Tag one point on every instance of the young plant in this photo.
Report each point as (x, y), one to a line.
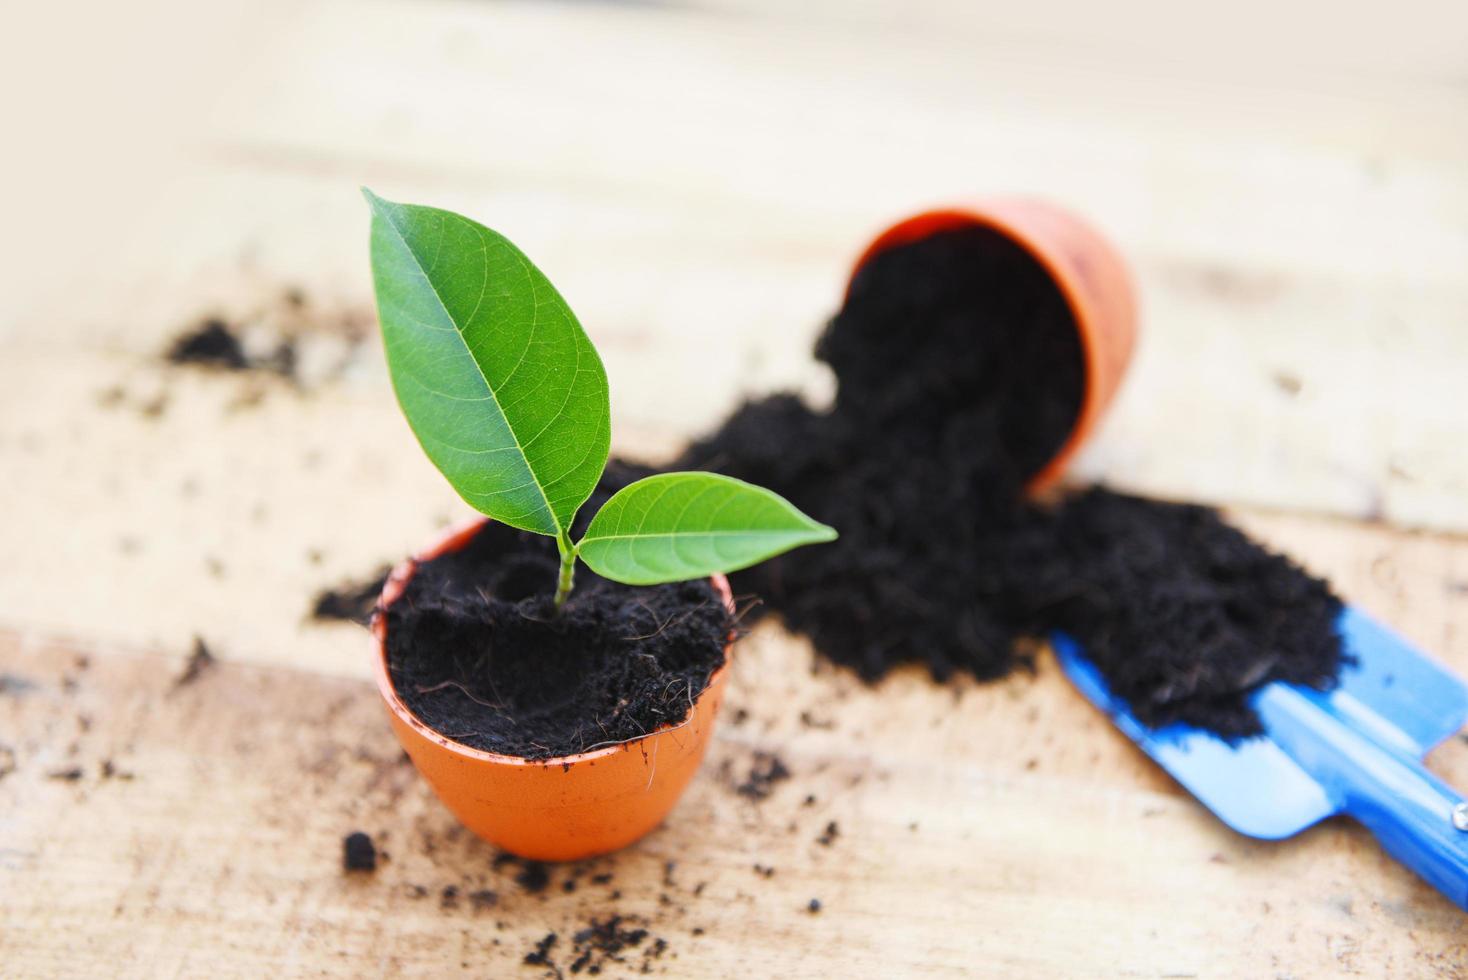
(509, 400)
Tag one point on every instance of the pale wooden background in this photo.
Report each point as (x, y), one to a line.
(1291, 184)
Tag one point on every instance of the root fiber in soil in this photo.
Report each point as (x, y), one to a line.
(959, 373)
(476, 650)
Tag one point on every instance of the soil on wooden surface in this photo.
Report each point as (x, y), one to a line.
(350, 602)
(211, 343)
(959, 374)
(358, 852)
(200, 661)
(765, 772)
(477, 651)
(287, 337)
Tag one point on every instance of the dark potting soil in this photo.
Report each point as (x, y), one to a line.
(350, 602)
(212, 343)
(949, 336)
(292, 339)
(476, 650)
(200, 661)
(540, 955)
(1183, 613)
(621, 942)
(959, 374)
(358, 852)
(533, 876)
(764, 773)
(216, 345)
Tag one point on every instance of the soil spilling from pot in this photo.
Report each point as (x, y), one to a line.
(476, 650)
(959, 374)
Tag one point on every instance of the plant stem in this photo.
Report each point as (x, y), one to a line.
(568, 570)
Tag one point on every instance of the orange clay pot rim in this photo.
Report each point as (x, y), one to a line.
(932, 221)
(397, 582)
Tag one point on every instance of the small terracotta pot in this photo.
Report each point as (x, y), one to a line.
(1086, 268)
(560, 809)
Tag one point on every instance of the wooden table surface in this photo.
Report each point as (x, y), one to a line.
(697, 179)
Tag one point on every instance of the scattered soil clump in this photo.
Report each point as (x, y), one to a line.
(351, 602)
(210, 343)
(16, 685)
(200, 662)
(603, 943)
(358, 852)
(286, 338)
(476, 650)
(108, 769)
(213, 343)
(765, 772)
(959, 374)
(540, 955)
(533, 876)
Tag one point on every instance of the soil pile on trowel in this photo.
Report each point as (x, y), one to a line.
(959, 375)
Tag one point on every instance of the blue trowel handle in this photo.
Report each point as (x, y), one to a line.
(1417, 817)
(1411, 812)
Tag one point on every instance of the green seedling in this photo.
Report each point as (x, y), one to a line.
(509, 399)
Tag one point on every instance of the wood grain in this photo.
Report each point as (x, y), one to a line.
(1002, 828)
(696, 179)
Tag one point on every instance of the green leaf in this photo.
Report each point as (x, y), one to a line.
(499, 382)
(679, 526)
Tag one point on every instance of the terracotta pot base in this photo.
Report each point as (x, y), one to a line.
(558, 809)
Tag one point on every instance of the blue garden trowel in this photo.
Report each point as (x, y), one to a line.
(1354, 750)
